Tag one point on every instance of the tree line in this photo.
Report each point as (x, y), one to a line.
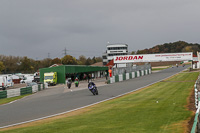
(179, 46)
(13, 64)
(16, 64)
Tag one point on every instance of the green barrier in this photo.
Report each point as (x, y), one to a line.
(124, 76)
(39, 87)
(136, 74)
(140, 72)
(3, 94)
(130, 75)
(117, 78)
(27, 90)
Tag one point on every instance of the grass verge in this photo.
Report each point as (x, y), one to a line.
(7, 100)
(161, 107)
(160, 68)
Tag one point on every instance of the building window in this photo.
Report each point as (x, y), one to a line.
(104, 57)
(117, 48)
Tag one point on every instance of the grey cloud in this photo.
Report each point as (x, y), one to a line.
(40, 25)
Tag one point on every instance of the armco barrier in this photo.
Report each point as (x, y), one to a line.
(22, 91)
(126, 76)
(196, 124)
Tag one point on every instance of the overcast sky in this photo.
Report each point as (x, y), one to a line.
(34, 28)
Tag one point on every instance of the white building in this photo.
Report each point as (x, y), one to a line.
(114, 50)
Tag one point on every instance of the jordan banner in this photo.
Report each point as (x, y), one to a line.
(154, 57)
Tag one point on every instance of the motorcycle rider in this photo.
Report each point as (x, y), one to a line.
(92, 87)
(76, 79)
(76, 82)
(91, 83)
(69, 82)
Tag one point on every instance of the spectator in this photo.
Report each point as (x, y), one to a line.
(110, 72)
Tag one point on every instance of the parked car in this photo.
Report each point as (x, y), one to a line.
(36, 79)
(26, 79)
(31, 84)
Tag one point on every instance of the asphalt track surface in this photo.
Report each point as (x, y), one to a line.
(56, 100)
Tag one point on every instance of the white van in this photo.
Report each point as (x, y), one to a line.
(10, 83)
(3, 82)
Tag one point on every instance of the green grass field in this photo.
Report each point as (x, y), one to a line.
(158, 69)
(160, 108)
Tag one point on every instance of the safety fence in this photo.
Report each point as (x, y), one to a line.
(130, 69)
(126, 76)
(196, 124)
(22, 91)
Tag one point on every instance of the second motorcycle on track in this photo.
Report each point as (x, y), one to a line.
(92, 87)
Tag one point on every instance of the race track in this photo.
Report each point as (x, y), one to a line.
(56, 100)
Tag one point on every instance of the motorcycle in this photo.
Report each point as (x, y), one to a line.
(69, 83)
(93, 89)
(76, 83)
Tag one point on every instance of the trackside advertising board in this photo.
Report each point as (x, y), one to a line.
(154, 57)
